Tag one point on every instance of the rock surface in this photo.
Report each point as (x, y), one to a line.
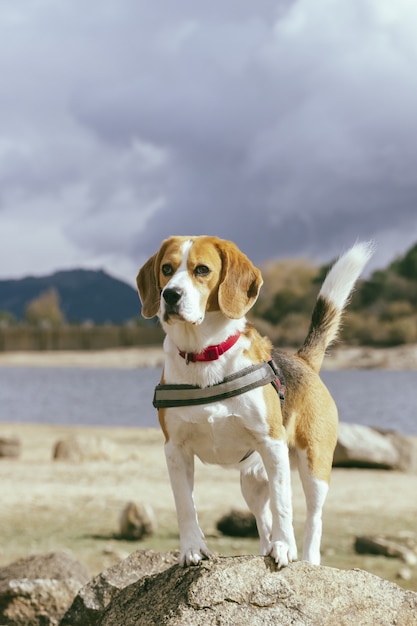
(362, 446)
(37, 590)
(247, 590)
(146, 589)
(91, 601)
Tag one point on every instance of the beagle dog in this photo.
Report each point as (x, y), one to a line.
(201, 289)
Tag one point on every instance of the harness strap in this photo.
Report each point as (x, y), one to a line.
(251, 377)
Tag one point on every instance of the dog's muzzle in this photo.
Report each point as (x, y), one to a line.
(172, 297)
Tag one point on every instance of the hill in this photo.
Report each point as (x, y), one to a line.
(83, 295)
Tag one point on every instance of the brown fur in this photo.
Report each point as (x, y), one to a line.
(234, 282)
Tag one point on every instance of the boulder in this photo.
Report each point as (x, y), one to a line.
(136, 521)
(77, 449)
(37, 590)
(10, 446)
(248, 590)
(362, 446)
(91, 601)
(238, 523)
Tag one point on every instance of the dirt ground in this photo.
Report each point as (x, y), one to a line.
(54, 505)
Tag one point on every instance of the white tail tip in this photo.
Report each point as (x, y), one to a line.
(341, 279)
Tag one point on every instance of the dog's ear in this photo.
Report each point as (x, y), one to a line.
(148, 287)
(240, 282)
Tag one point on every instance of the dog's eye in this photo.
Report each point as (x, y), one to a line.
(167, 269)
(201, 270)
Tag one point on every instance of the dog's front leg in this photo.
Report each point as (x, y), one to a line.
(282, 548)
(180, 462)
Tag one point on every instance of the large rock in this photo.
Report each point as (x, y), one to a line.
(37, 590)
(88, 607)
(247, 590)
(362, 446)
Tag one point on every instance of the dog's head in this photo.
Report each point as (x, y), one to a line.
(190, 276)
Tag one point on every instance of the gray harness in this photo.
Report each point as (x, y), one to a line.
(251, 377)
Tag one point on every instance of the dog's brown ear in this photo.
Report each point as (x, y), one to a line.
(148, 287)
(240, 282)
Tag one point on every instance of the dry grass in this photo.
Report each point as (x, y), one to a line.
(54, 505)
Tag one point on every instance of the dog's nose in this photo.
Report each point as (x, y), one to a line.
(172, 296)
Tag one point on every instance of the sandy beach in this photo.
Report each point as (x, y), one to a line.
(59, 505)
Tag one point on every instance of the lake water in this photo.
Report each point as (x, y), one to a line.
(120, 397)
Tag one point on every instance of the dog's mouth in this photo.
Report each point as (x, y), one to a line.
(173, 315)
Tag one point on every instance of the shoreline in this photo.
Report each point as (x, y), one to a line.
(340, 357)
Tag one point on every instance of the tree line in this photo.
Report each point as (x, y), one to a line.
(382, 311)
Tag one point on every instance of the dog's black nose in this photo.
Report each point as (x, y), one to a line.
(172, 296)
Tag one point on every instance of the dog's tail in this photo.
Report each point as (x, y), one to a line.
(332, 299)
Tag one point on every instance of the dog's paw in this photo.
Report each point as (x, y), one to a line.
(193, 555)
(282, 553)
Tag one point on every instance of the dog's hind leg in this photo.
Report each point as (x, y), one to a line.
(255, 490)
(315, 491)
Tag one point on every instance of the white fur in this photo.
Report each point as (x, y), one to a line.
(315, 491)
(266, 487)
(340, 280)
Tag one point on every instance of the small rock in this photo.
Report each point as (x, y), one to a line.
(404, 573)
(77, 449)
(386, 546)
(410, 558)
(238, 524)
(10, 446)
(136, 521)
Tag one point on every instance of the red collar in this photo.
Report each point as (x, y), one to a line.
(211, 353)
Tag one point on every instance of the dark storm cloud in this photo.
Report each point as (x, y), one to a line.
(287, 127)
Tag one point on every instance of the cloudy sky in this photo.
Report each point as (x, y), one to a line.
(289, 126)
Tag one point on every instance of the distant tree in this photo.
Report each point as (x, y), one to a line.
(7, 319)
(45, 309)
(407, 266)
(383, 310)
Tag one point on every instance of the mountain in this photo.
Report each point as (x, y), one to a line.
(83, 295)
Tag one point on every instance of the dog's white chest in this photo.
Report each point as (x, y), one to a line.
(218, 437)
